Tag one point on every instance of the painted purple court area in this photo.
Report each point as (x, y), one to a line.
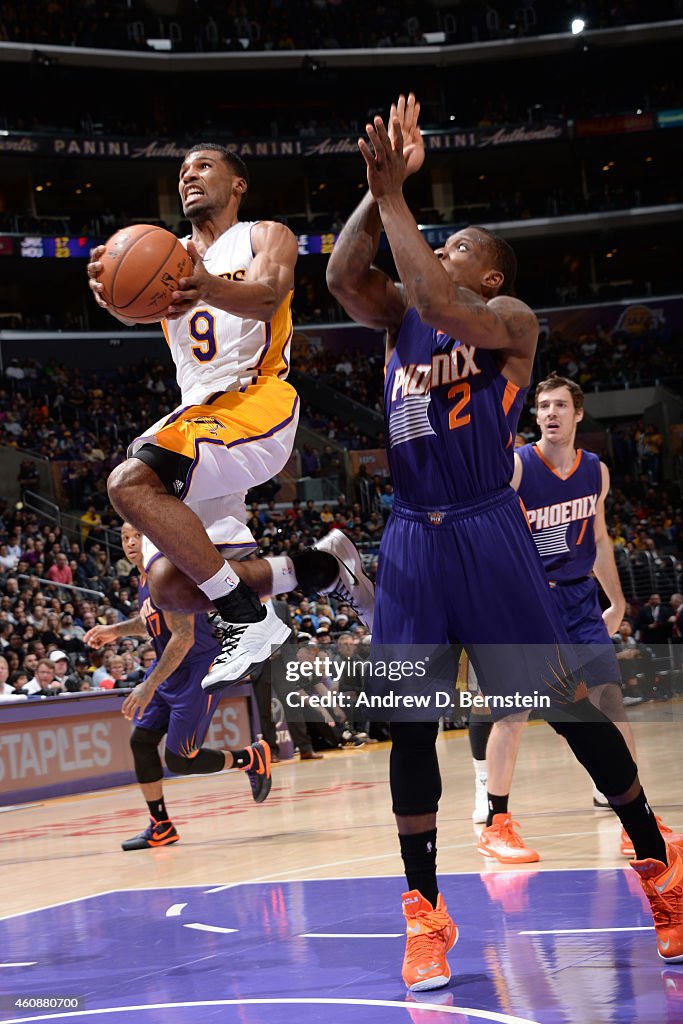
(551, 947)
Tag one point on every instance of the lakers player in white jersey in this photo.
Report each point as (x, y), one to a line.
(229, 329)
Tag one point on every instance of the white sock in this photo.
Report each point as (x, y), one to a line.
(220, 584)
(284, 576)
(480, 770)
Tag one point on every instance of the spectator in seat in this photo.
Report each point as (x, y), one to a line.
(80, 675)
(652, 623)
(60, 664)
(41, 682)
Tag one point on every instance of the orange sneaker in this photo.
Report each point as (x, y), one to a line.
(501, 842)
(668, 835)
(430, 934)
(663, 886)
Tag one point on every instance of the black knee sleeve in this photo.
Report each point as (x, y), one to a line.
(171, 468)
(414, 768)
(144, 744)
(205, 762)
(598, 745)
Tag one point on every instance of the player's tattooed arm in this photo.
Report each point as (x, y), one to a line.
(367, 294)
(178, 646)
(98, 636)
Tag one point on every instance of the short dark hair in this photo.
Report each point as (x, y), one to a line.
(234, 162)
(503, 258)
(553, 381)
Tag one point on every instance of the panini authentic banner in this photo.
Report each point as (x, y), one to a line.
(111, 148)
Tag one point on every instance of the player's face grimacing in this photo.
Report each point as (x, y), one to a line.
(205, 184)
(556, 415)
(465, 260)
(131, 541)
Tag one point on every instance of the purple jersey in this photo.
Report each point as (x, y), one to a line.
(179, 707)
(205, 644)
(450, 418)
(561, 513)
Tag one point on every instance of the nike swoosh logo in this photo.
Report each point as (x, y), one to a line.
(351, 573)
(413, 929)
(664, 945)
(662, 887)
(426, 970)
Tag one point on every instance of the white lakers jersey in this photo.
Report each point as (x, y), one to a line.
(214, 351)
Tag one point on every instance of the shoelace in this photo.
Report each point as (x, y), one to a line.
(667, 910)
(507, 833)
(228, 634)
(421, 947)
(345, 596)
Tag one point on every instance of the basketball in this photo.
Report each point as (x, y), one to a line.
(141, 267)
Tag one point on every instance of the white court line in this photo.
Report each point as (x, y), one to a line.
(25, 963)
(19, 807)
(484, 870)
(586, 931)
(176, 910)
(476, 1014)
(96, 895)
(210, 928)
(350, 935)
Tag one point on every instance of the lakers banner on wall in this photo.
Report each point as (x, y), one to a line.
(69, 745)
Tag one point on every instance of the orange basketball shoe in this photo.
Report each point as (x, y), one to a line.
(663, 886)
(430, 934)
(668, 835)
(501, 842)
(157, 833)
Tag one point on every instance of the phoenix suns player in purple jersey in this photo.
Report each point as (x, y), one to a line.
(563, 490)
(170, 701)
(457, 562)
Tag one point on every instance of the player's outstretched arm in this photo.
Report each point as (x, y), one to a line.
(367, 294)
(364, 291)
(502, 323)
(178, 647)
(98, 636)
(268, 281)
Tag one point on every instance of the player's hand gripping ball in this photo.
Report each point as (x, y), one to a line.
(141, 268)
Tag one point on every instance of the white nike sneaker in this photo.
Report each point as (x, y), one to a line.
(351, 585)
(243, 647)
(481, 798)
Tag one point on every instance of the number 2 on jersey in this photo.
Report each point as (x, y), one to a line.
(455, 420)
(202, 326)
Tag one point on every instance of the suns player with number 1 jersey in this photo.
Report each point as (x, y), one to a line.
(229, 329)
(457, 562)
(563, 490)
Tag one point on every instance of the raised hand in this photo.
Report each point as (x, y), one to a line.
(407, 112)
(383, 156)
